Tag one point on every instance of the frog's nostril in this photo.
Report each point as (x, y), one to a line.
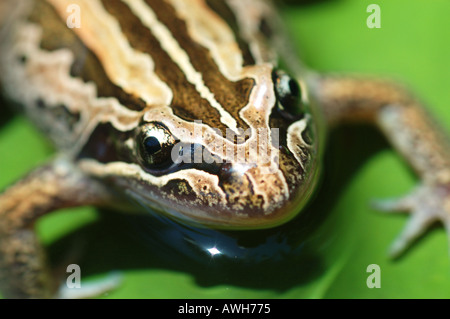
(225, 171)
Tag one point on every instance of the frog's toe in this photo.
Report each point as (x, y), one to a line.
(91, 289)
(394, 205)
(416, 226)
(426, 205)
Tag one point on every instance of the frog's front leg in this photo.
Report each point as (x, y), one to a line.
(411, 131)
(23, 268)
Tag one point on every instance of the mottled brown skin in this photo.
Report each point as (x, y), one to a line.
(61, 183)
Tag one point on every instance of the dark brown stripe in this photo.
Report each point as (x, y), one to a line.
(290, 168)
(221, 8)
(187, 102)
(233, 96)
(56, 35)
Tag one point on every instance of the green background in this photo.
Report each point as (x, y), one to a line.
(412, 46)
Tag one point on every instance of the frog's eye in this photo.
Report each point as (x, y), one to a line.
(288, 92)
(155, 143)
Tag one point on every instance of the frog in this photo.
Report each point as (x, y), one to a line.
(190, 109)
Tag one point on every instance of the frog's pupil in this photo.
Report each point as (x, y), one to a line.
(288, 93)
(152, 145)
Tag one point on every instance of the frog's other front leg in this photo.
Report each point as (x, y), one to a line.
(23, 267)
(411, 131)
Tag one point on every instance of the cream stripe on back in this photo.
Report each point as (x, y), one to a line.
(208, 29)
(126, 67)
(179, 56)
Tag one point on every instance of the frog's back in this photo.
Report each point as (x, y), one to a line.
(73, 69)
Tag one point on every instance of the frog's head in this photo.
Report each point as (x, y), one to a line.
(250, 162)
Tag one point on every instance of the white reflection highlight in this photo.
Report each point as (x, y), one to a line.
(214, 251)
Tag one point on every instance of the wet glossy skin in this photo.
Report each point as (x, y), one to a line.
(145, 83)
